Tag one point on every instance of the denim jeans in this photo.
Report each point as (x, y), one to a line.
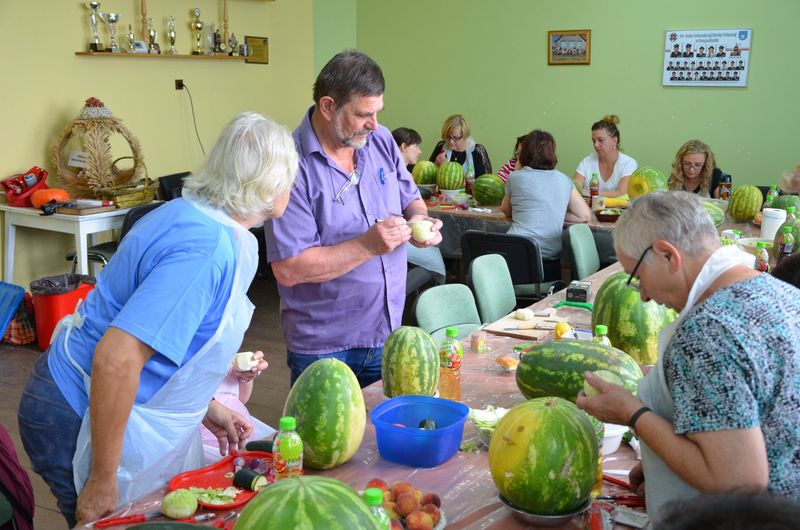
(49, 430)
(365, 363)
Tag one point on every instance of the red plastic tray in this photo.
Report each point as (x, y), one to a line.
(213, 476)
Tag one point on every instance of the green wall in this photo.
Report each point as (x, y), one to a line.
(492, 67)
(334, 29)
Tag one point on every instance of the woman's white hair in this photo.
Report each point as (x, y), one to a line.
(253, 161)
(675, 216)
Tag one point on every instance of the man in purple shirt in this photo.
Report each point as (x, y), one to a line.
(338, 252)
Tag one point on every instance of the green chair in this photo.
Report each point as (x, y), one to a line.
(444, 306)
(585, 259)
(490, 280)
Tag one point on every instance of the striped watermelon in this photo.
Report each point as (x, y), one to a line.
(543, 456)
(633, 325)
(410, 363)
(646, 180)
(424, 172)
(556, 368)
(784, 201)
(715, 212)
(450, 176)
(489, 189)
(795, 232)
(745, 203)
(327, 402)
(307, 503)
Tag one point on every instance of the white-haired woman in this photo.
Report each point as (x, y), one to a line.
(720, 411)
(158, 334)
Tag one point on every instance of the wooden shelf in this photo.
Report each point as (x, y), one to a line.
(163, 56)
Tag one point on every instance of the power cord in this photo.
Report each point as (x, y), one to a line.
(194, 119)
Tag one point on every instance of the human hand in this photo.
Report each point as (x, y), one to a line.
(98, 498)
(386, 235)
(636, 479)
(248, 375)
(441, 158)
(613, 404)
(230, 428)
(435, 229)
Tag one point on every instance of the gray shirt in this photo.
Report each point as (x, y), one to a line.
(539, 200)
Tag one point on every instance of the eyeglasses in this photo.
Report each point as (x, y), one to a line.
(690, 165)
(454, 138)
(633, 280)
(353, 180)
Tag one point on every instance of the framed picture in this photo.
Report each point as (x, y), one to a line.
(257, 50)
(707, 57)
(569, 46)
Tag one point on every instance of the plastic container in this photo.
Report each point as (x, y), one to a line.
(287, 450)
(10, 297)
(55, 297)
(411, 446)
(451, 353)
(612, 438)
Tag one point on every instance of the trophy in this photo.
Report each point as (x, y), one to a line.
(210, 30)
(131, 40)
(197, 26)
(171, 35)
(233, 45)
(111, 19)
(94, 46)
(152, 36)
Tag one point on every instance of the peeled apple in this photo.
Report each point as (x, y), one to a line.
(422, 231)
(179, 504)
(244, 361)
(524, 314)
(605, 375)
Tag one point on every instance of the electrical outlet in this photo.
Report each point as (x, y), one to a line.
(179, 84)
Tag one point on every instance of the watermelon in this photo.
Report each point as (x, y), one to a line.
(489, 189)
(410, 363)
(327, 402)
(646, 180)
(450, 176)
(784, 201)
(424, 172)
(307, 503)
(715, 212)
(795, 232)
(633, 325)
(543, 456)
(745, 203)
(556, 368)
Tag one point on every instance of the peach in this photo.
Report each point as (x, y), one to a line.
(401, 487)
(432, 498)
(418, 495)
(406, 503)
(397, 525)
(387, 496)
(378, 483)
(389, 507)
(419, 520)
(434, 512)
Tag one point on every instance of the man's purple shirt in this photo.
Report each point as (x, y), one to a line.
(360, 308)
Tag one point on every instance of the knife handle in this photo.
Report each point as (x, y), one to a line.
(114, 521)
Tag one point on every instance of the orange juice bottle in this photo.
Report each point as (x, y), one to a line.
(450, 357)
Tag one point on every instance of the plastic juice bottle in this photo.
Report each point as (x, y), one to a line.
(762, 257)
(785, 243)
(287, 450)
(374, 499)
(594, 189)
(601, 335)
(772, 194)
(725, 187)
(450, 356)
(791, 214)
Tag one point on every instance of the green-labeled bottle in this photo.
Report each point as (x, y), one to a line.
(601, 334)
(450, 356)
(762, 257)
(374, 499)
(287, 450)
(791, 214)
(786, 243)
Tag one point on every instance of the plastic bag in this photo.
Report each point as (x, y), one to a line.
(61, 284)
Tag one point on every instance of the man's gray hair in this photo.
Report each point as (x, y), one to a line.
(347, 74)
(675, 216)
(253, 161)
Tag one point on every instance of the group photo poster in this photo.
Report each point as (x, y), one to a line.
(715, 57)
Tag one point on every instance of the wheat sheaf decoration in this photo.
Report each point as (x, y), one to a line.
(99, 177)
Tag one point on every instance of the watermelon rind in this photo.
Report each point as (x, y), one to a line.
(646, 180)
(745, 203)
(450, 176)
(328, 405)
(424, 172)
(784, 201)
(410, 363)
(489, 189)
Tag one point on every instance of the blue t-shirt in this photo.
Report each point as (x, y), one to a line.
(167, 285)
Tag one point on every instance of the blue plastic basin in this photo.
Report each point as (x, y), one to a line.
(410, 445)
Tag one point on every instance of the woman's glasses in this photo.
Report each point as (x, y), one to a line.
(695, 165)
(633, 280)
(454, 138)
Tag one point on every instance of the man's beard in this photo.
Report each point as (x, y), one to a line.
(350, 140)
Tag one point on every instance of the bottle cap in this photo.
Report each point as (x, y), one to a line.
(773, 186)
(791, 209)
(287, 423)
(761, 244)
(601, 329)
(787, 229)
(451, 332)
(373, 497)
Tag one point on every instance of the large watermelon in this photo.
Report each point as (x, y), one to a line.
(543, 456)
(646, 180)
(410, 363)
(424, 172)
(489, 189)
(745, 203)
(715, 212)
(633, 325)
(450, 176)
(784, 201)
(307, 503)
(795, 232)
(556, 368)
(327, 402)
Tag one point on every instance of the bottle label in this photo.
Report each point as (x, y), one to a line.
(450, 356)
(786, 248)
(288, 455)
(762, 262)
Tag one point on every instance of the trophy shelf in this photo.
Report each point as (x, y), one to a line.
(164, 56)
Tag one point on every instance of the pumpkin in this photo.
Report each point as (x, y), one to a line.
(41, 197)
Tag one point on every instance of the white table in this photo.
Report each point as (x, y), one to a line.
(79, 226)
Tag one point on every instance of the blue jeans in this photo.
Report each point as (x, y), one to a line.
(365, 363)
(49, 430)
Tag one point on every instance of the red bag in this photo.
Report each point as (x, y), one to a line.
(22, 328)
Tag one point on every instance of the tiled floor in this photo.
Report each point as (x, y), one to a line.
(266, 402)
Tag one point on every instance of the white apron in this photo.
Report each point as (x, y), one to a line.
(469, 163)
(661, 483)
(162, 437)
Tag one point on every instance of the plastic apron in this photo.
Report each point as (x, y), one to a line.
(469, 164)
(662, 485)
(162, 437)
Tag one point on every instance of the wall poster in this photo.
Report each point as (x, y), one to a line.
(714, 57)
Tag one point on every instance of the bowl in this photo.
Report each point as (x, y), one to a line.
(454, 197)
(607, 217)
(427, 190)
(748, 244)
(545, 520)
(612, 438)
(411, 446)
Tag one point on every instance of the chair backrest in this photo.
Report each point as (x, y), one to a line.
(170, 186)
(491, 282)
(449, 305)
(585, 259)
(522, 254)
(136, 213)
